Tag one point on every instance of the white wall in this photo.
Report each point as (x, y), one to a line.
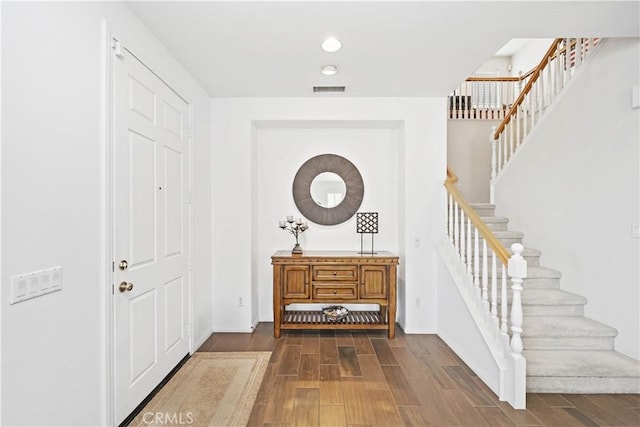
(469, 156)
(495, 64)
(529, 56)
(54, 201)
(576, 190)
(407, 134)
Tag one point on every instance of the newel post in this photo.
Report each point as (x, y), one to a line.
(517, 271)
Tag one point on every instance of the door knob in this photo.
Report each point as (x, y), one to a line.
(123, 265)
(125, 287)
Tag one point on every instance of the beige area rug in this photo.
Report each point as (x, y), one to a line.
(211, 389)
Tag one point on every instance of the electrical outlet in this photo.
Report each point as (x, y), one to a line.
(240, 302)
(418, 303)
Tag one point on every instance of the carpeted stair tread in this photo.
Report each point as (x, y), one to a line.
(547, 297)
(565, 351)
(566, 326)
(551, 297)
(484, 209)
(496, 223)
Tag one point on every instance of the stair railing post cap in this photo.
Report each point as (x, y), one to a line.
(517, 266)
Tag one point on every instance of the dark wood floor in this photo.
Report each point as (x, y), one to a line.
(361, 378)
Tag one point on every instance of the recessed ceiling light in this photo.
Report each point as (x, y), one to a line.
(329, 70)
(331, 45)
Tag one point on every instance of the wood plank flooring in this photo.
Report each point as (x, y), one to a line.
(362, 378)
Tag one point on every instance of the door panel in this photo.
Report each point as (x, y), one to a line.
(150, 181)
(142, 200)
(296, 281)
(374, 280)
(142, 344)
(173, 202)
(175, 328)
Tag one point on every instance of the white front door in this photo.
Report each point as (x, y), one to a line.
(151, 235)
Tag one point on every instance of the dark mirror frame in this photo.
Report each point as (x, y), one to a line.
(302, 189)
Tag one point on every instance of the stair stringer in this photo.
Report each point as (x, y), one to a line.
(505, 373)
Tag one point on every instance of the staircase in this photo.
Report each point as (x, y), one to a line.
(566, 352)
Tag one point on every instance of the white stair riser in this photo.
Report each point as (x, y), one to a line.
(484, 211)
(582, 385)
(497, 226)
(493, 225)
(567, 343)
(552, 310)
(533, 310)
(541, 283)
(532, 261)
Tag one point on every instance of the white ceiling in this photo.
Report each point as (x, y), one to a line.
(390, 48)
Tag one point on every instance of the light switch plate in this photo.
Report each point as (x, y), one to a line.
(30, 285)
(635, 231)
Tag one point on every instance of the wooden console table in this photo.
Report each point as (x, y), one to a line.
(330, 278)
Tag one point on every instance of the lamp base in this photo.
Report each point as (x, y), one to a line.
(297, 249)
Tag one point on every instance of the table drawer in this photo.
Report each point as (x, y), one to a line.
(335, 292)
(335, 273)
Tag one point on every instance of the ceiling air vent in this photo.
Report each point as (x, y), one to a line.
(329, 89)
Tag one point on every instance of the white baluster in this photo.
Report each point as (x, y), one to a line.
(541, 95)
(517, 119)
(504, 306)
(463, 243)
(494, 288)
(476, 263)
(450, 213)
(567, 60)
(469, 253)
(500, 161)
(525, 119)
(505, 145)
(512, 132)
(485, 276)
(541, 84)
(494, 153)
(534, 104)
(511, 147)
(557, 76)
(517, 272)
(579, 52)
(456, 227)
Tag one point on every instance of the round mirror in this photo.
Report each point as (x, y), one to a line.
(328, 189)
(316, 207)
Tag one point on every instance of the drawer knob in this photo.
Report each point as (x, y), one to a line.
(335, 292)
(335, 273)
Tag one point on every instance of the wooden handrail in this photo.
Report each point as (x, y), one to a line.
(534, 77)
(483, 229)
(493, 79)
(451, 176)
(503, 78)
